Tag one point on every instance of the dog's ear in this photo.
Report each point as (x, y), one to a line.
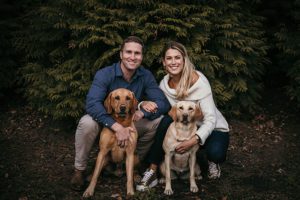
(173, 113)
(134, 103)
(107, 104)
(198, 113)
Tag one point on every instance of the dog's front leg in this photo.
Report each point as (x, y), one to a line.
(168, 189)
(192, 163)
(129, 173)
(99, 165)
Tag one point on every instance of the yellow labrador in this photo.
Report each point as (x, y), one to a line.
(185, 114)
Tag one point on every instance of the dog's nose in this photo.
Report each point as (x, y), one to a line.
(185, 116)
(122, 108)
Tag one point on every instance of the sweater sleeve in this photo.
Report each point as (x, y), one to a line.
(207, 106)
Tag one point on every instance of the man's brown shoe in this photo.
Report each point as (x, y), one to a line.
(77, 181)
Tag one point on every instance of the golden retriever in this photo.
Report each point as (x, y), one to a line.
(121, 104)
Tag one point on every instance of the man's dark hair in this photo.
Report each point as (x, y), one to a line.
(132, 39)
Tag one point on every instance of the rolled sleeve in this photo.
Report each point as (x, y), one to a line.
(209, 122)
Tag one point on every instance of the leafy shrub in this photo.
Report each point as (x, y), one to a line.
(66, 42)
(8, 56)
(288, 42)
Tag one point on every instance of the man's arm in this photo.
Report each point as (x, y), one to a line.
(155, 94)
(96, 96)
(95, 106)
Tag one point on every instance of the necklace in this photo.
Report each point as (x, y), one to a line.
(172, 83)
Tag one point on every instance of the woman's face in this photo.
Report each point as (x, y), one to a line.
(173, 62)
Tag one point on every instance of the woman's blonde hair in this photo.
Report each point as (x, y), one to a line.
(187, 72)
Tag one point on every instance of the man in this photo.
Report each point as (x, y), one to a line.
(128, 73)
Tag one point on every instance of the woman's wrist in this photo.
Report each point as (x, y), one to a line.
(198, 139)
(193, 141)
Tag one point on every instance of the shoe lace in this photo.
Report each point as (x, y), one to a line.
(213, 169)
(147, 175)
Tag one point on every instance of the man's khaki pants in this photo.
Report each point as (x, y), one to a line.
(88, 130)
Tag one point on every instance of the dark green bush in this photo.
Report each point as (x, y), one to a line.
(288, 43)
(66, 42)
(8, 56)
(11, 13)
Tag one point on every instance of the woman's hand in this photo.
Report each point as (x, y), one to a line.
(149, 106)
(186, 145)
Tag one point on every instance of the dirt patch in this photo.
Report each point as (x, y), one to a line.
(263, 160)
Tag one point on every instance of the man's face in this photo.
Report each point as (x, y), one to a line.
(131, 56)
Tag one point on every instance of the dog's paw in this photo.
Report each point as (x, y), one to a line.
(194, 188)
(88, 193)
(168, 191)
(130, 193)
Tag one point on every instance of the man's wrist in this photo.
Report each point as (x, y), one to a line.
(116, 126)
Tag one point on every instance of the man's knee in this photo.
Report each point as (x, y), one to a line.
(86, 133)
(152, 125)
(146, 131)
(87, 126)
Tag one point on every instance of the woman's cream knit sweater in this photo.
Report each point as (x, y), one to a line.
(201, 94)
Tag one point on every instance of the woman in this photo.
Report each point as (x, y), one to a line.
(183, 82)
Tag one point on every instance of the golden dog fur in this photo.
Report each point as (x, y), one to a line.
(121, 104)
(185, 114)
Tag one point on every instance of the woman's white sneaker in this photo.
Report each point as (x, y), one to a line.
(214, 170)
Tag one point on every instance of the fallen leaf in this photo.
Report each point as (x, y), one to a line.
(115, 195)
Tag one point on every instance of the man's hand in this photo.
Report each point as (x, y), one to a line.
(137, 115)
(149, 106)
(186, 145)
(122, 134)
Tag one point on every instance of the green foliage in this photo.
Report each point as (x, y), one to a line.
(8, 64)
(67, 41)
(288, 42)
(10, 58)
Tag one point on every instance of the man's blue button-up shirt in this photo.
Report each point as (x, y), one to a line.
(142, 84)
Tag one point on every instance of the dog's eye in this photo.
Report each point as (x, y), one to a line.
(181, 107)
(127, 98)
(117, 98)
(190, 109)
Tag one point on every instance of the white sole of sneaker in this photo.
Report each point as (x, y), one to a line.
(216, 176)
(142, 188)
